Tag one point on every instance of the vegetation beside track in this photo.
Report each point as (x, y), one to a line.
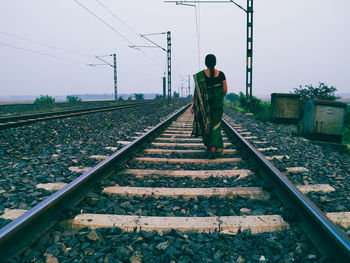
(261, 109)
(71, 103)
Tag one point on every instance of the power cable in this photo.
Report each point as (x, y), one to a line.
(125, 24)
(117, 17)
(43, 54)
(43, 44)
(115, 31)
(198, 35)
(105, 23)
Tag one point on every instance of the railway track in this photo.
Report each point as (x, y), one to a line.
(174, 177)
(20, 120)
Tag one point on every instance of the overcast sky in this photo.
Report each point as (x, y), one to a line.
(296, 42)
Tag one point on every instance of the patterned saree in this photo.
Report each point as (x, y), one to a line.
(208, 111)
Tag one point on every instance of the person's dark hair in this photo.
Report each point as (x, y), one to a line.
(210, 62)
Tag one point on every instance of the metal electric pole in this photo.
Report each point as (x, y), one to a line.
(106, 63)
(169, 65)
(249, 62)
(189, 85)
(115, 77)
(168, 51)
(249, 69)
(164, 90)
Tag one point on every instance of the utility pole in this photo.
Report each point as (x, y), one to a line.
(169, 65)
(249, 62)
(189, 85)
(168, 51)
(249, 69)
(114, 66)
(164, 90)
(115, 77)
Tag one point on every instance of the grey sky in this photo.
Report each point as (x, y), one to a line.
(295, 42)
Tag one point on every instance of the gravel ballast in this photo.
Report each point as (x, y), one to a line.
(115, 245)
(326, 164)
(42, 152)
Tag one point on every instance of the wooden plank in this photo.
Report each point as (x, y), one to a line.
(296, 170)
(197, 161)
(181, 135)
(79, 169)
(267, 149)
(12, 214)
(51, 186)
(250, 137)
(187, 193)
(203, 174)
(277, 157)
(315, 188)
(170, 151)
(340, 218)
(169, 139)
(99, 157)
(187, 145)
(223, 224)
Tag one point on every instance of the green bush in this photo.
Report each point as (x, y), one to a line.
(73, 99)
(259, 108)
(139, 96)
(232, 97)
(346, 131)
(322, 92)
(176, 95)
(158, 97)
(45, 101)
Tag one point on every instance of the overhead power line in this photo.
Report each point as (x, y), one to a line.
(43, 54)
(125, 24)
(117, 17)
(105, 23)
(43, 44)
(115, 31)
(197, 13)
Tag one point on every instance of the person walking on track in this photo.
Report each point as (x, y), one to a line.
(207, 106)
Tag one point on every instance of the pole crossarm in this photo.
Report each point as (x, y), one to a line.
(233, 2)
(153, 34)
(154, 43)
(189, 3)
(98, 57)
(142, 46)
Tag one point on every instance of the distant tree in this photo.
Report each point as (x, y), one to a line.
(322, 92)
(158, 97)
(130, 98)
(176, 95)
(73, 99)
(190, 96)
(139, 96)
(46, 101)
(120, 98)
(232, 97)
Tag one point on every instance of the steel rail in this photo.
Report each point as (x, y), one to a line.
(15, 121)
(26, 229)
(330, 240)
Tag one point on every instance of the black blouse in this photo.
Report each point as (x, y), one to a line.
(214, 81)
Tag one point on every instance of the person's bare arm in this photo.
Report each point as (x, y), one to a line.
(224, 90)
(192, 105)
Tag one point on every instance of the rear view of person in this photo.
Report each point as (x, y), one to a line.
(207, 106)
